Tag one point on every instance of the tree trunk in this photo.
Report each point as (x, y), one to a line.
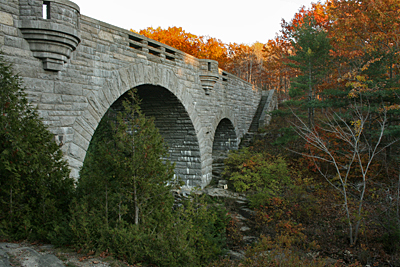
(136, 203)
(107, 206)
(310, 98)
(11, 204)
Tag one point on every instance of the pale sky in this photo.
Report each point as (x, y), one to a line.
(244, 21)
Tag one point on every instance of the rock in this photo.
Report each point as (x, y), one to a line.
(27, 256)
(8, 246)
(247, 213)
(49, 260)
(240, 202)
(219, 192)
(249, 239)
(239, 217)
(235, 255)
(4, 258)
(223, 184)
(244, 228)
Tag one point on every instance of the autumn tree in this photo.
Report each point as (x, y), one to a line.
(366, 40)
(278, 74)
(247, 63)
(364, 70)
(344, 151)
(203, 47)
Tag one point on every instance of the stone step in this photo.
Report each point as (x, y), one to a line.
(254, 124)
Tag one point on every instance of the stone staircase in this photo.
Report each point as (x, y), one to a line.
(267, 103)
(255, 124)
(240, 213)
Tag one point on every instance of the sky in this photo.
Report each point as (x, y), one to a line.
(231, 21)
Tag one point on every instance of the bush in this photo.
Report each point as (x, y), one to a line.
(256, 172)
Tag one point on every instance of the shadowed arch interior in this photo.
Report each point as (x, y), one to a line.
(225, 139)
(175, 127)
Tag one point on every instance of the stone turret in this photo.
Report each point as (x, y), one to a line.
(209, 74)
(51, 29)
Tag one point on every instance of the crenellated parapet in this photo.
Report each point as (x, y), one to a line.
(51, 29)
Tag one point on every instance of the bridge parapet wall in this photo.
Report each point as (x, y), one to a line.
(73, 91)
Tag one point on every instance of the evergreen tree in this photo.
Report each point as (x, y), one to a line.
(124, 201)
(35, 188)
(310, 57)
(126, 171)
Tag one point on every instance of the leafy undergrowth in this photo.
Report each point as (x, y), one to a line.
(300, 220)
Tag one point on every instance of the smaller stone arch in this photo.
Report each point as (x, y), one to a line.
(225, 140)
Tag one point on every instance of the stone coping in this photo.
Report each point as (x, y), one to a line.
(184, 55)
(66, 3)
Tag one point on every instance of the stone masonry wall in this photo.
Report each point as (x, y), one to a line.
(101, 62)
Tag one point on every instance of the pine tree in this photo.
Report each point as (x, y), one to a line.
(35, 187)
(311, 57)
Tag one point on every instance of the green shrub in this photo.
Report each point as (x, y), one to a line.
(256, 172)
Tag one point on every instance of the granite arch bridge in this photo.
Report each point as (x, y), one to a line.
(75, 68)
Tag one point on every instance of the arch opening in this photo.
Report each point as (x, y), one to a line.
(174, 125)
(225, 139)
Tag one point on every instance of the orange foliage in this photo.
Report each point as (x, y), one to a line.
(317, 11)
(202, 47)
(240, 59)
(364, 27)
(364, 33)
(355, 28)
(278, 74)
(247, 63)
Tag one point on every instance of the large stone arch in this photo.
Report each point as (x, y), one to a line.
(121, 81)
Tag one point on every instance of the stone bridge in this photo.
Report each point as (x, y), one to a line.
(75, 68)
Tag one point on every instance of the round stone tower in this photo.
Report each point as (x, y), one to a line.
(51, 29)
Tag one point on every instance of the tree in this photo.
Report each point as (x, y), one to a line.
(203, 47)
(365, 35)
(127, 164)
(125, 204)
(343, 151)
(278, 73)
(310, 56)
(143, 169)
(35, 188)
